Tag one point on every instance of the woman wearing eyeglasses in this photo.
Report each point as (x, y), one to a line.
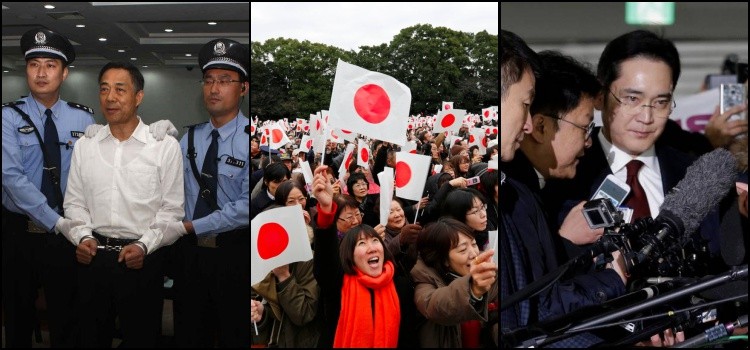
(467, 205)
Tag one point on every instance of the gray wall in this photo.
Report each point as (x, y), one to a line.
(170, 93)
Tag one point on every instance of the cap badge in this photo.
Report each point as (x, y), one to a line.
(220, 49)
(40, 38)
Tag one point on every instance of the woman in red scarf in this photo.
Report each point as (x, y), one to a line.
(356, 279)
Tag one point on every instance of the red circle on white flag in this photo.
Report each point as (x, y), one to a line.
(268, 132)
(277, 136)
(263, 140)
(486, 113)
(372, 103)
(471, 138)
(448, 120)
(447, 106)
(364, 155)
(309, 144)
(484, 141)
(272, 240)
(403, 174)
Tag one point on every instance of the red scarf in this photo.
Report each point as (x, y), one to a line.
(356, 328)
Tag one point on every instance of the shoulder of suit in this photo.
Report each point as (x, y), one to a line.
(13, 103)
(81, 107)
(192, 126)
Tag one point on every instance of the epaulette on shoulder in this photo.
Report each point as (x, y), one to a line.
(13, 103)
(247, 129)
(81, 107)
(193, 125)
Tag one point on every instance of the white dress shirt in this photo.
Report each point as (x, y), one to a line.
(122, 189)
(649, 176)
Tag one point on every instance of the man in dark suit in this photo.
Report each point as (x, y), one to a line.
(639, 72)
(527, 250)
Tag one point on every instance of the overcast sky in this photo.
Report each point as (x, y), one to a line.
(351, 25)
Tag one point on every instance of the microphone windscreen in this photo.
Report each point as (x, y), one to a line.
(706, 182)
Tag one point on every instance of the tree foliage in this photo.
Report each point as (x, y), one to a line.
(292, 79)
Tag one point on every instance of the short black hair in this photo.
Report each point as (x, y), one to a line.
(639, 43)
(515, 58)
(459, 202)
(349, 242)
(437, 239)
(564, 82)
(135, 74)
(276, 172)
(286, 187)
(353, 178)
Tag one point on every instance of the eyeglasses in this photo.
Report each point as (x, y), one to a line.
(586, 129)
(477, 210)
(353, 219)
(631, 103)
(222, 83)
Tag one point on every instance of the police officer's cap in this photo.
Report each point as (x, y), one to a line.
(225, 54)
(48, 44)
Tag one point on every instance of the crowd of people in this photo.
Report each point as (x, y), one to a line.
(426, 278)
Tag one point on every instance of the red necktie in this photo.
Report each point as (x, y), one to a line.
(637, 199)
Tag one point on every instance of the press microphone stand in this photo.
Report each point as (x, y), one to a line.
(736, 273)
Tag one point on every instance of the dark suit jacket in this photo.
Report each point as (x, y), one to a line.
(593, 168)
(522, 217)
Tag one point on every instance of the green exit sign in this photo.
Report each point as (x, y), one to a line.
(649, 13)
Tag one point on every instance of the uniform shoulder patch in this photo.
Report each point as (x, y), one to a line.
(81, 107)
(13, 103)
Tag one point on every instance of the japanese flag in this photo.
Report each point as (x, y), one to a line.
(276, 136)
(385, 178)
(447, 105)
(363, 154)
(278, 237)
(348, 156)
(369, 103)
(478, 137)
(306, 143)
(492, 244)
(253, 127)
(492, 163)
(347, 135)
(449, 120)
(410, 147)
(411, 175)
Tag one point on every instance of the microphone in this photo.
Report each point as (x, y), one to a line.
(706, 182)
(714, 333)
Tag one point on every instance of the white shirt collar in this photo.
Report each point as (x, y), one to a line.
(618, 159)
(140, 133)
(540, 177)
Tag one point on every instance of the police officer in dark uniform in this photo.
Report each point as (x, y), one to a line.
(39, 133)
(213, 288)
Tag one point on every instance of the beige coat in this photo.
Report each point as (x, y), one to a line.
(444, 306)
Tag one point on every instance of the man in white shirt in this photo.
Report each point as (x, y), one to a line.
(128, 189)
